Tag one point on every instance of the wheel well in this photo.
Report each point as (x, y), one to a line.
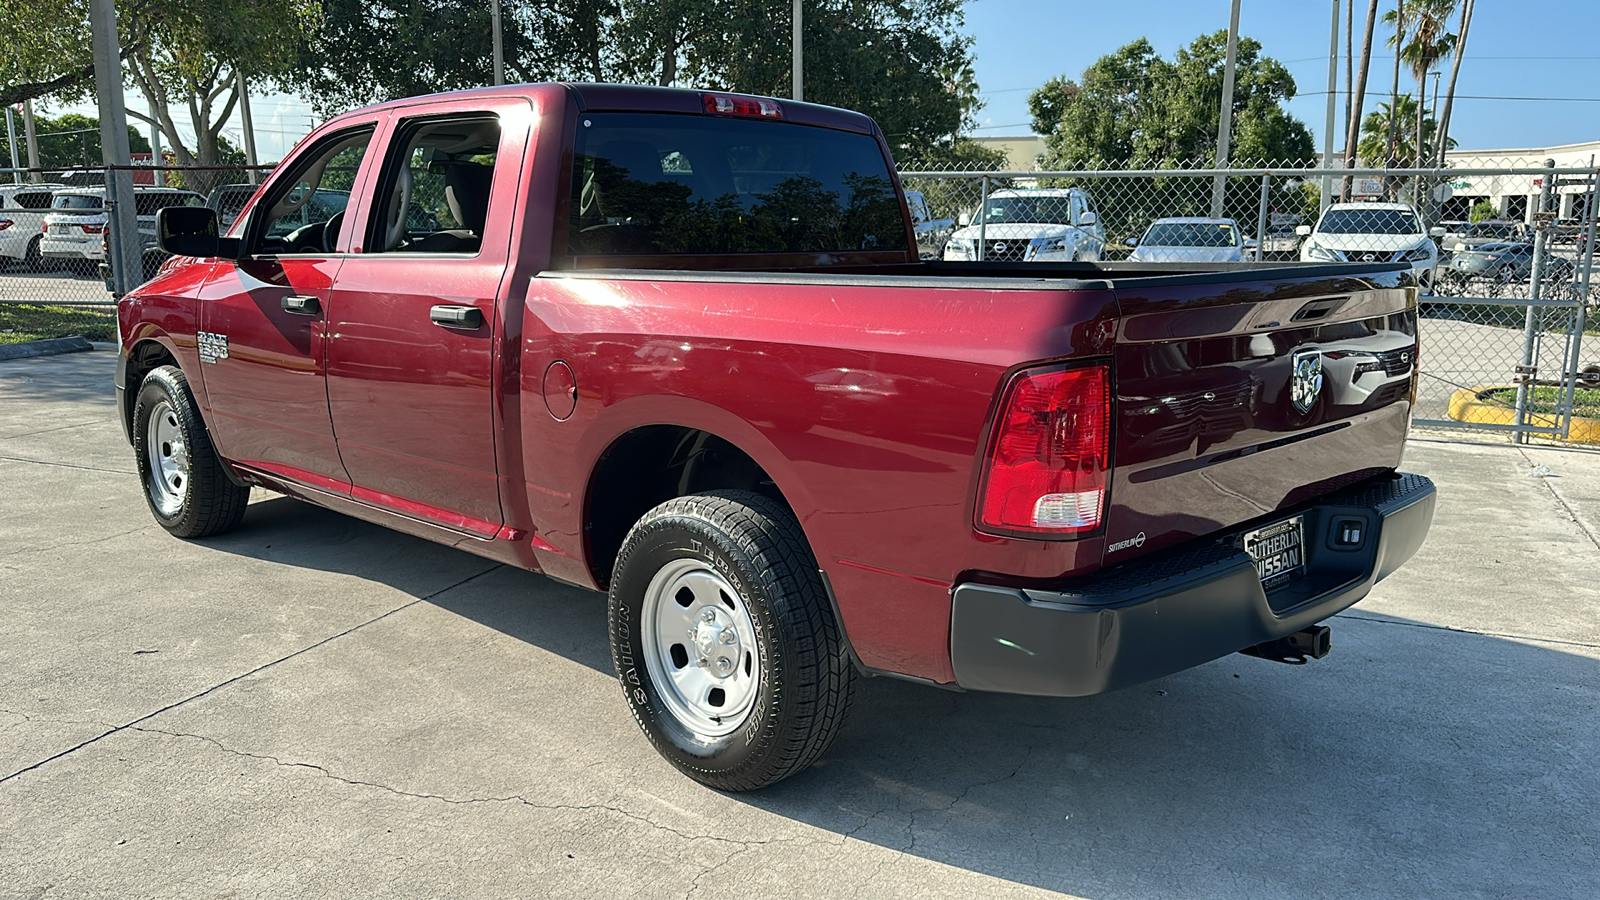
(145, 356)
(651, 465)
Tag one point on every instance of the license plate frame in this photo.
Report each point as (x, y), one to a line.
(1278, 551)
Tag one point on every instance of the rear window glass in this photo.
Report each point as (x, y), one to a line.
(32, 200)
(147, 202)
(652, 183)
(76, 201)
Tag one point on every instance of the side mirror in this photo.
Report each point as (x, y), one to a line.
(1131, 242)
(1303, 230)
(963, 219)
(1436, 231)
(1086, 220)
(1251, 243)
(192, 231)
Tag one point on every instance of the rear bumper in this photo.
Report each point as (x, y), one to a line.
(1171, 611)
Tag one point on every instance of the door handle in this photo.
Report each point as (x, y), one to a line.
(466, 318)
(301, 306)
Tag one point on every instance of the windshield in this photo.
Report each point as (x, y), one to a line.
(1039, 210)
(76, 201)
(1370, 221)
(1191, 234)
(653, 183)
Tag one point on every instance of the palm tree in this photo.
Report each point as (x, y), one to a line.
(1358, 96)
(1455, 70)
(1400, 22)
(1430, 42)
(1377, 126)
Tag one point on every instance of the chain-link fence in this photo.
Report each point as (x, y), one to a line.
(1502, 249)
(56, 227)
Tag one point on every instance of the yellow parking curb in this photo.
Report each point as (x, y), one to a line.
(1468, 405)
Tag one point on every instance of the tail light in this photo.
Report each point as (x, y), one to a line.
(1045, 471)
(93, 229)
(733, 105)
(4, 224)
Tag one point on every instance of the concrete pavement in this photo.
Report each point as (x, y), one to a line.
(316, 707)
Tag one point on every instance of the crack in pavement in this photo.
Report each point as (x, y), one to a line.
(263, 667)
(1454, 630)
(740, 846)
(59, 544)
(1571, 514)
(62, 465)
(55, 429)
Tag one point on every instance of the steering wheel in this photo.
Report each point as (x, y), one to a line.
(306, 238)
(330, 232)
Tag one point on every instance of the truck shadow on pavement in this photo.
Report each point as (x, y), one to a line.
(1414, 760)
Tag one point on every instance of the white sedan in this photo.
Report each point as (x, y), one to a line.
(1191, 240)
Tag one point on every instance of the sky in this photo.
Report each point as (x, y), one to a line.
(1516, 48)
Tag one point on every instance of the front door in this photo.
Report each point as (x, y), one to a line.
(263, 340)
(414, 320)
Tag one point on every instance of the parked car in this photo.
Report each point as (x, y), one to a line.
(1477, 234)
(932, 234)
(1032, 226)
(25, 207)
(1506, 262)
(1190, 240)
(1370, 232)
(77, 224)
(789, 450)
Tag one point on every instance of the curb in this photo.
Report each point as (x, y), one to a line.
(50, 347)
(1467, 405)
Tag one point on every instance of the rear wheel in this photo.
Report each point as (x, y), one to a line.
(725, 642)
(185, 484)
(32, 258)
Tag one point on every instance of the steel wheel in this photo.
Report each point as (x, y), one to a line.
(168, 453)
(700, 648)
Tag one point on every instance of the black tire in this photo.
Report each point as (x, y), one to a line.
(802, 682)
(32, 258)
(199, 500)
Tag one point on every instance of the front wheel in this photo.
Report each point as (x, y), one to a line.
(185, 484)
(725, 641)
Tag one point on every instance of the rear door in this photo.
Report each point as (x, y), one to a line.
(263, 338)
(1239, 395)
(414, 316)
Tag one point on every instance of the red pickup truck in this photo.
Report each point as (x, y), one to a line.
(680, 347)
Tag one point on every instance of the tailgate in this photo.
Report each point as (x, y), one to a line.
(1243, 393)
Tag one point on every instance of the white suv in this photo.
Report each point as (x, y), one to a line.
(76, 226)
(1370, 232)
(1032, 226)
(24, 206)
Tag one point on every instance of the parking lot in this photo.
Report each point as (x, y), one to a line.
(316, 707)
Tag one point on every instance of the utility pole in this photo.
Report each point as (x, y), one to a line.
(33, 140)
(799, 92)
(123, 245)
(499, 45)
(1225, 121)
(249, 123)
(1333, 98)
(11, 135)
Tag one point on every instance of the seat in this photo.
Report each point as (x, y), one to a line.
(466, 192)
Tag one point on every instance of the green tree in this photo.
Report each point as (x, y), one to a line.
(1375, 132)
(1482, 211)
(1134, 107)
(903, 62)
(71, 140)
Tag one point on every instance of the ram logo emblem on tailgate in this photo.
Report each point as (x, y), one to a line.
(1305, 383)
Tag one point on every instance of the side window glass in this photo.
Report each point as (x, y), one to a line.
(304, 213)
(435, 187)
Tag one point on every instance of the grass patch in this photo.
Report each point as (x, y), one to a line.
(1545, 399)
(21, 322)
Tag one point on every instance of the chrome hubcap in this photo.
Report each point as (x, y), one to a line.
(168, 455)
(700, 648)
